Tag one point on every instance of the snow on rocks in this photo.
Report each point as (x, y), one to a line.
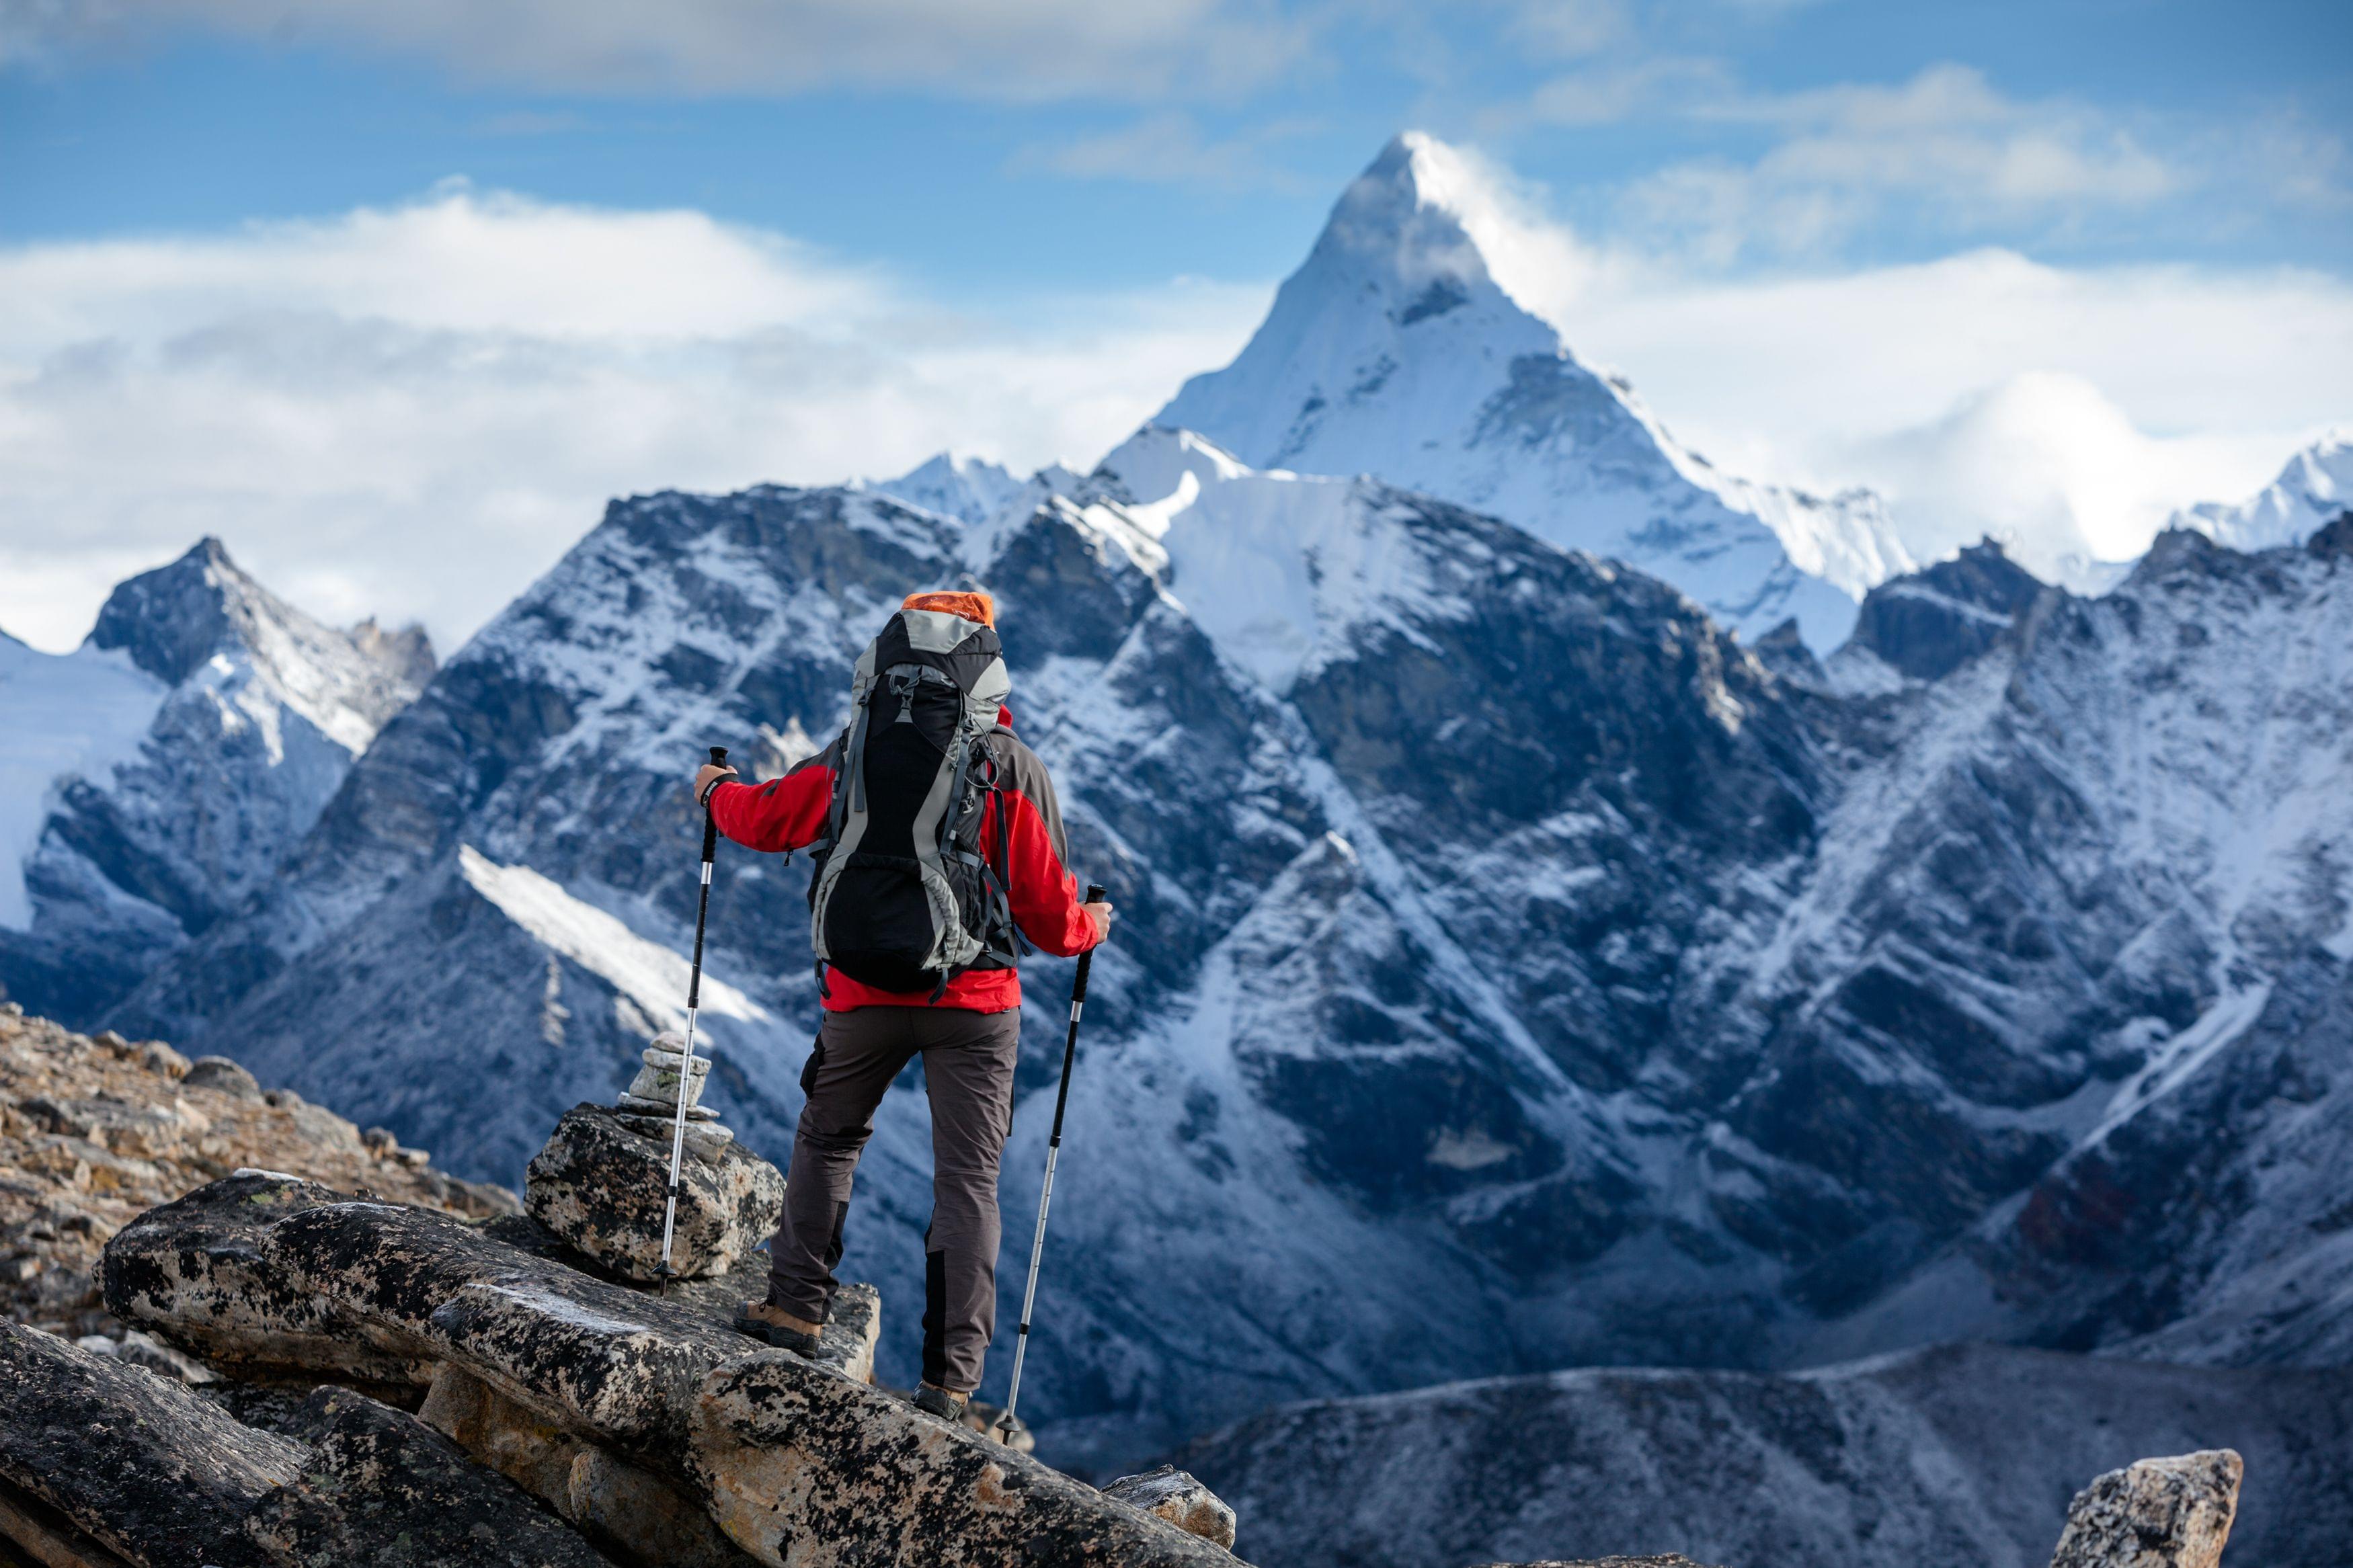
(2313, 490)
(2158, 1513)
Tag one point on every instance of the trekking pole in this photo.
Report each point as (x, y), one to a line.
(1006, 1423)
(693, 1000)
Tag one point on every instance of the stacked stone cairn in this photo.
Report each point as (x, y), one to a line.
(602, 1181)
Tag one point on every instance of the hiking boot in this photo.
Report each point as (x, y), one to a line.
(770, 1324)
(940, 1401)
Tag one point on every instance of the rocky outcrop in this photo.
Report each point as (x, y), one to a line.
(2158, 1513)
(94, 1130)
(1177, 1497)
(1928, 624)
(625, 1410)
(102, 1462)
(601, 1181)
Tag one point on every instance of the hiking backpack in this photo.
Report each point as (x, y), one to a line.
(902, 899)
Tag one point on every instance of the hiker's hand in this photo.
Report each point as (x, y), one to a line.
(1101, 914)
(703, 776)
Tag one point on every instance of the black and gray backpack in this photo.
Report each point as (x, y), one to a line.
(903, 899)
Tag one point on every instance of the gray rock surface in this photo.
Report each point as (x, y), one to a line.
(2158, 1513)
(601, 1185)
(163, 1478)
(379, 1489)
(149, 1469)
(1177, 1497)
(1959, 1454)
(795, 1461)
(220, 1073)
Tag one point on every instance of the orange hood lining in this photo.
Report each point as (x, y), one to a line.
(979, 608)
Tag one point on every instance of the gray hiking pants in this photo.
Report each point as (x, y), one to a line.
(968, 1070)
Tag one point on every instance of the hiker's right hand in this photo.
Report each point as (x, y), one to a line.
(1100, 913)
(705, 774)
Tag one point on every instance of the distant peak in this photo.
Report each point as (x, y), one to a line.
(173, 618)
(1404, 216)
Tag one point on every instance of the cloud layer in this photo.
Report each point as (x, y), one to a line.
(2066, 410)
(412, 411)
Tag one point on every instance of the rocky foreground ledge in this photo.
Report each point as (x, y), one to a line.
(647, 1423)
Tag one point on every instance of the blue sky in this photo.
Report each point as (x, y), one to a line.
(940, 175)
(349, 280)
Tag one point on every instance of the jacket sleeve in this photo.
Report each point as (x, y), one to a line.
(1038, 881)
(785, 813)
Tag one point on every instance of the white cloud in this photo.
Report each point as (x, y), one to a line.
(412, 411)
(2069, 409)
(1946, 148)
(996, 50)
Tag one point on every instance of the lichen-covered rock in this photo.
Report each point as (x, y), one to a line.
(602, 1187)
(191, 1272)
(800, 1466)
(379, 1489)
(1171, 1494)
(141, 1463)
(792, 1459)
(644, 1515)
(2158, 1513)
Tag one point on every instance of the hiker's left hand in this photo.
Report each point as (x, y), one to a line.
(708, 771)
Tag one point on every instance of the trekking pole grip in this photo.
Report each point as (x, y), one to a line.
(1086, 959)
(711, 823)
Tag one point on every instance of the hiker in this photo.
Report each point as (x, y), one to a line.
(938, 850)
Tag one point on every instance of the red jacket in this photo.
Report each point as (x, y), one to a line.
(790, 812)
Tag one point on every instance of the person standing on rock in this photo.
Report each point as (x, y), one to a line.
(939, 859)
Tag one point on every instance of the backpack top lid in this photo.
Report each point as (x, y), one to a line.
(966, 651)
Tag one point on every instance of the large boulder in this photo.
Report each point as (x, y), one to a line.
(601, 1183)
(2158, 1513)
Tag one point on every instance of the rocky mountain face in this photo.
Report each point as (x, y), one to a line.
(1931, 1457)
(1395, 351)
(1513, 971)
(156, 777)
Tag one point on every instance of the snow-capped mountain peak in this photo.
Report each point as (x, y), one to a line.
(1394, 352)
(179, 619)
(966, 488)
(2310, 493)
(154, 776)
